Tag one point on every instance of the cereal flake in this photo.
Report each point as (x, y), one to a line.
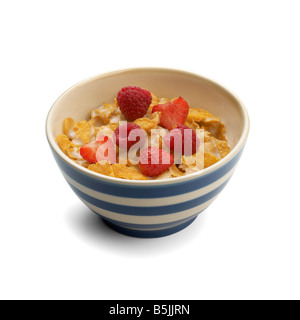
(124, 171)
(83, 131)
(102, 167)
(64, 142)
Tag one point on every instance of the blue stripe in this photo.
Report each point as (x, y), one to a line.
(148, 211)
(150, 233)
(144, 191)
(147, 226)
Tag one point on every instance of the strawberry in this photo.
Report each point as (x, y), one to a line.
(106, 151)
(154, 161)
(100, 149)
(173, 114)
(89, 151)
(176, 139)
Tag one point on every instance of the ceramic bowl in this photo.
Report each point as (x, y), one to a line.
(153, 208)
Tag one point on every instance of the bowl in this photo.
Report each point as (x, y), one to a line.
(155, 208)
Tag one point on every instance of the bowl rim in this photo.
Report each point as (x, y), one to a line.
(239, 145)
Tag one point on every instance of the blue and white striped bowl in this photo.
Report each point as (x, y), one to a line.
(149, 208)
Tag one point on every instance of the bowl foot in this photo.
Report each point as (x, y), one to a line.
(148, 233)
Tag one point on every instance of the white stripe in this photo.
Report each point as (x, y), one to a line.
(154, 202)
(167, 218)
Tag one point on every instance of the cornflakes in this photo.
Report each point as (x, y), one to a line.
(102, 167)
(154, 100)
(201, 115)
(175, 172)
(83, 131)
(68, 126)
(192, 124)
(207, 121)
(146, 124)
(74, 153)
(64, 142)
(83, 163)
(105, 120)
(105, 112)
(223, 147)
(209, 159)
(124, 171)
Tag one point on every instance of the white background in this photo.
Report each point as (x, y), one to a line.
(245, 245)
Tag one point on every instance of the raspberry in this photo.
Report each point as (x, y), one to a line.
(179, 135)
(134, 102)
(154, 161)
(122, 133)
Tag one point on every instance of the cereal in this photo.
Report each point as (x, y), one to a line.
(96, 122)
(105, 112)
(146, 124)
(68, 126)
(105, 120)
(102, 167)
(74, 153)
(164, 100)
(106, 131)
(209, 159)
(124, 171)
(210, 146)
(83, 131)
(189, 164)
(83, 163)
(113, 126)
(64, 142)
(207, 121)
(216, 129)
(192, 124)
(175, 172)
(223, 147)
(157, 136)
(201, 115)
(154, 100)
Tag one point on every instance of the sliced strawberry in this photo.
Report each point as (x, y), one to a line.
(173, 114)
(154, 161)
(182, 140)
(106, 151)
(90, 152)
